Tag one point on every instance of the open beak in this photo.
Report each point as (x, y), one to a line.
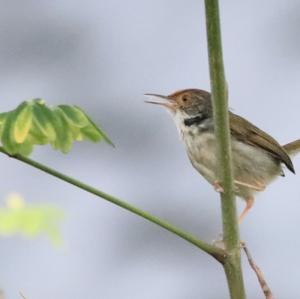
(168, 102)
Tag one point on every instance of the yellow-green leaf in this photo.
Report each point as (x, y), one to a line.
(74, 115)
(43, 121)
(22, 122)
(101, 132)
(18, 217)
(7, 138)
(33, 123)
(64, 140)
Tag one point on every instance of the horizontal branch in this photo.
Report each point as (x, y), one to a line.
(218, 253)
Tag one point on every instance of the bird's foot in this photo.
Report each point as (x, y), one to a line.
(258, 186)
(218, 187)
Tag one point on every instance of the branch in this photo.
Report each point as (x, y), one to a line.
(22, 295)
(221, 121)
(214, 251)
(222, 132)
(264, 286)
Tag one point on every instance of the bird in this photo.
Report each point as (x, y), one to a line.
(257, 158)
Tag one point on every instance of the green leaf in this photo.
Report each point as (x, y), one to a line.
(74, 115)
(64, 140)
(22, 123)
(101, 132)
(2, 119)
(30, 220)
(33, 123)
(90, 133)
(43, 123)
(7, 138)
(24, 149)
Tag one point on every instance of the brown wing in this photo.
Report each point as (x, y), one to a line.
(245, 131)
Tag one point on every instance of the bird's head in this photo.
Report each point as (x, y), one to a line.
(188, 102)
(189, 108)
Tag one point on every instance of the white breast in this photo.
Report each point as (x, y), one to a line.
(200, 147)
(250, 164)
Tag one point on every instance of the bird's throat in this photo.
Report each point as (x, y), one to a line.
(189, 125)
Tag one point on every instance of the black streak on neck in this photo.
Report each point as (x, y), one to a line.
(197, 120)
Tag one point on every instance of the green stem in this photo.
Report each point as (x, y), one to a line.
(232, 264)
(214, 251)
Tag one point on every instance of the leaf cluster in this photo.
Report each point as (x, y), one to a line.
(34, 123)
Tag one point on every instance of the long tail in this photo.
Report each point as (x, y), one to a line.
(292, 148)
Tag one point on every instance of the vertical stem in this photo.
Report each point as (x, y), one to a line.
(232, 265)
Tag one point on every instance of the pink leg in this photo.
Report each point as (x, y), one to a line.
(258, 187)
(249, 205)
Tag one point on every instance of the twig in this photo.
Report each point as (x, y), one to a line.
(266, 289)
(22, 295)
(218, 253)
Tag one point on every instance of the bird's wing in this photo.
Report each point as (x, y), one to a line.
(246, 132)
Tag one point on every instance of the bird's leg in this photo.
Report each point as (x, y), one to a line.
(218, 187)
(249, 205)
(258, 187)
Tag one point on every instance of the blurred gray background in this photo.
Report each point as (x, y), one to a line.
(103, 56)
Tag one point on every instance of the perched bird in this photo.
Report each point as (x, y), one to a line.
(257, 157)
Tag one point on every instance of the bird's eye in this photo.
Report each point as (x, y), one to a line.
(184, 99)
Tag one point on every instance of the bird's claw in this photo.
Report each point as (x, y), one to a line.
(218, 187)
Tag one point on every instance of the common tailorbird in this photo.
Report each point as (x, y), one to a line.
(257, 157)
